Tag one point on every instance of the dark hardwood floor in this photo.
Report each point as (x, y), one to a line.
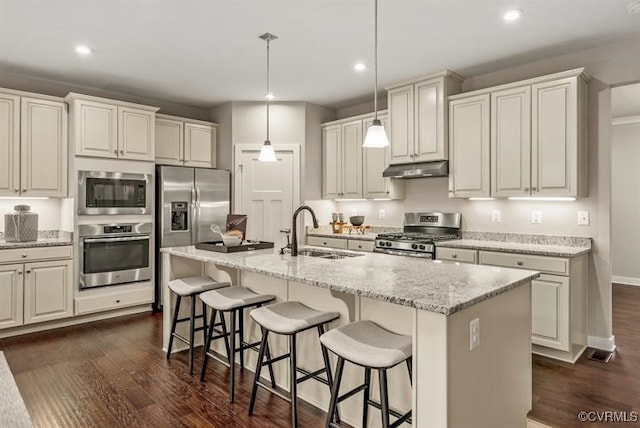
(113, 373)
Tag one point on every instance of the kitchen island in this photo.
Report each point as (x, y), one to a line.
(433, 302)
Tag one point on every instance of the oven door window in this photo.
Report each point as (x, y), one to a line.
(106, 255)
(115, 193)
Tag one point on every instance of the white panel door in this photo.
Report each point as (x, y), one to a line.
(555, 138)
(169, 141)
(511, 142)
(332, 162)
(401, 132)
(199, 145)
(43, 148)
(95, 129)
(48, 291)
(267, 192)
(429, 121)
(9, 145)
(550, 312)
(469, 147)
(136, 131)
(375, 161)
(352, 160)
(11, 296)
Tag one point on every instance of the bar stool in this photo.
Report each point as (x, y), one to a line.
(368, 345)
(289, 319)
(233, 300)
(190, 287)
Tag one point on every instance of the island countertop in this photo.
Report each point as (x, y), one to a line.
(433, 286)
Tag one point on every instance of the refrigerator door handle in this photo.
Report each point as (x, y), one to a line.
(194, 216)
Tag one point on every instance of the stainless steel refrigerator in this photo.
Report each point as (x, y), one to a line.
(188, 201)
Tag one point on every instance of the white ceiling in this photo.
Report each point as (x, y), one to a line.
(203, 53)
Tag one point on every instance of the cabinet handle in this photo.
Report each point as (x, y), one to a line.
(526, 189)
(28, 270)
(16, 190)
(535, 189)
(115, 151)
(324, 243)
(24, 190)
(118, 301)
(519, 263)
(24, 256)
(121, 152)
(454, 256)
(19, 272)
(359, 246)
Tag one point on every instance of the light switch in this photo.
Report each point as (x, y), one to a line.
(583, 218)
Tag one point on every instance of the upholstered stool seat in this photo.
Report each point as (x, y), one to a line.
(194, 285)
(290, 317)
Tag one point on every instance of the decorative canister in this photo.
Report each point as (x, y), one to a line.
(21, 225)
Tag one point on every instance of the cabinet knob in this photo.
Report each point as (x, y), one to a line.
(115, 151)
(519, 263)
(28, 270)
(324, 243)
(19, 272)
(24, 190)
(16, 190)
(526, 189)
(24, 256)
(359, 246)
(118, 301)
(535, 189)
(454, 256)
(121, 152)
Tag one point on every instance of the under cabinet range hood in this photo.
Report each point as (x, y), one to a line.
(418, 170)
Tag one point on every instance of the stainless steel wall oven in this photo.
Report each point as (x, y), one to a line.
(113, 254)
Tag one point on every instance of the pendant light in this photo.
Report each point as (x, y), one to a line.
(267, 154)
(376, 136)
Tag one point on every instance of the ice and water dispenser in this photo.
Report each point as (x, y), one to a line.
(179, 216)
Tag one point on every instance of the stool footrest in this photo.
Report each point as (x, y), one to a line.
(353, 392)
(180, 338)
(312, 375)
(275, 359)
(274, 391)
(189, 319)
(403, 418)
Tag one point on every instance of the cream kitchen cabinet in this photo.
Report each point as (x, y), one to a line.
(375, 161)
(36, 291)
(111, 129)
(342, 160)
(418, 118)
(33, 143)
(322, 241)
(185, 142)
(469, 170)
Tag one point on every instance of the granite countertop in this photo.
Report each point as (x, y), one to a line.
(541, 245)
(369, 236)
(434, 286)
(46, 238)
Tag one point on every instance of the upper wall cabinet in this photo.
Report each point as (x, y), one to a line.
(187, 142)
(112, 129)
(418, 118)
(33, 145)
(537, 138)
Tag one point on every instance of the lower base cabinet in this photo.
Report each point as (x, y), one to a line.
(11, 296)
(341, 244)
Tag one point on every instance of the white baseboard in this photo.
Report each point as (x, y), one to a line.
(604, 343)
(626, 280)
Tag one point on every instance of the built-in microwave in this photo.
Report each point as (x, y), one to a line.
(113, 193)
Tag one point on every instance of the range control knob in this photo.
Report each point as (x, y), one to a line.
(414, 246)
(421, 247)
(388, 243)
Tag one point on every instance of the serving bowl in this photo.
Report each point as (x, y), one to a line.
(231, 240)
(356, 220)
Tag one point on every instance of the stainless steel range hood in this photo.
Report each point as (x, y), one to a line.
(418, 170)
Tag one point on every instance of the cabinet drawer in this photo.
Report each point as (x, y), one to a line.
(114, 300)
(358, 245)
(18, 255)
(457, 255)
(554, 265)
(319, 241)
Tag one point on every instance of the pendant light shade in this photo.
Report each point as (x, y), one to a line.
(376, 135)
(267, 153)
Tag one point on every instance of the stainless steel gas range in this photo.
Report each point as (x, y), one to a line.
(420, 232)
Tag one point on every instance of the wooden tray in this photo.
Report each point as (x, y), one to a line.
(219, 247)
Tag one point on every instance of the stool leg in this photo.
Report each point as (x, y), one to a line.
(241, 326)
(192, 326)
(176, 312)
(327, 365)
(225, 334)
(367, 393)
(384, 398)
(271, 375)
(293, 381)
(335, 390)
(207, 345)
(232, 360)
(409, 368)
(204, 321)
(263, 347)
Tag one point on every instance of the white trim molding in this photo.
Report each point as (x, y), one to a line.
(626, 280)
(625, 120)
(604, 343)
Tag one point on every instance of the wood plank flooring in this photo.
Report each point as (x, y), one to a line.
(113, 373)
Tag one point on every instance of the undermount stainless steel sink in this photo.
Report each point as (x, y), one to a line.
(326, 254)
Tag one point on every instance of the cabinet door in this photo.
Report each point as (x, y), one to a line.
(136, 134)
(48, 292)
(199, 145)
(429, 121)
(554, 135)
(331, 162)
(352, 159)
(375, 161)
(169, 142)
(511, 142)
(550, 312)
(469, 147)
(401, 132)
(95, 129)
(10, 296)
(9, 145)
(43, 148)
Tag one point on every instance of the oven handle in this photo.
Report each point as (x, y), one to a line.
(122, 239)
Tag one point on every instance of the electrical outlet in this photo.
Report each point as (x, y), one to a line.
(474, 334)
(381, 214)
(536, 217)
(496, 216)
(583, 218)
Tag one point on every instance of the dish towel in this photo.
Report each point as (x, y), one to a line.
(13, 412)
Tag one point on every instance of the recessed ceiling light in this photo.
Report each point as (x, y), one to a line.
(83, 50)
(359, 67)
(512, 15)
(269, 96)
